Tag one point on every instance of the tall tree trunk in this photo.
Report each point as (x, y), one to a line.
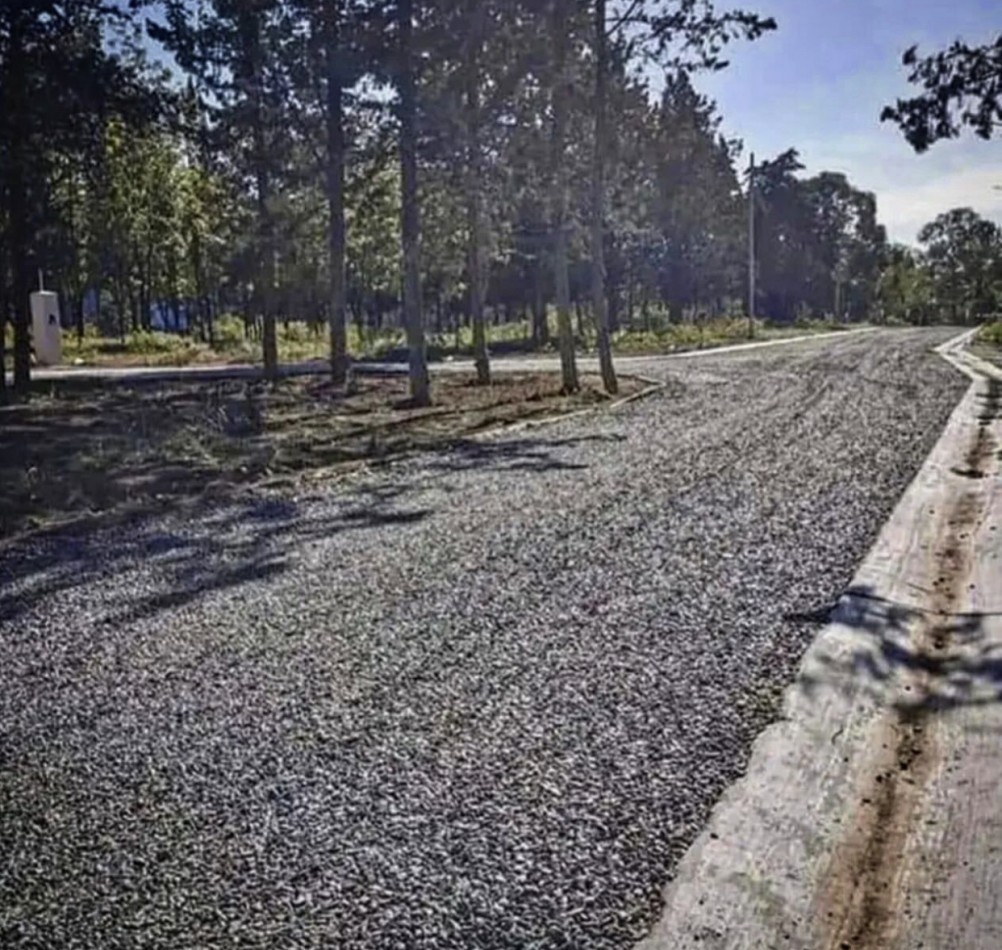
(598, 297)
(266, 294)
(16, 106)
(561, 279)
(410, 223)
(474, 197)
(3, 325)
(265, 284)
(335, 193)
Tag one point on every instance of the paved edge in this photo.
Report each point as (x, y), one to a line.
(794, 852)
(210, 373)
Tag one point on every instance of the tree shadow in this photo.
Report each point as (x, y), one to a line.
(215, 545)
(516, 454)
(236, 536)
(918, 660)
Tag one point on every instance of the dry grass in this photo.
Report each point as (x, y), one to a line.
(86, 449)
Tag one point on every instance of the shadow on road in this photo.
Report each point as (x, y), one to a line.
(949, 656)
(237, 537)
(516, 455)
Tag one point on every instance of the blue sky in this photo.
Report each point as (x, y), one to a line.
(818, 84)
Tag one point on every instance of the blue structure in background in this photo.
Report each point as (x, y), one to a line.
(162, 316)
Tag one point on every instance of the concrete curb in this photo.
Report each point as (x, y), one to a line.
(809, 848)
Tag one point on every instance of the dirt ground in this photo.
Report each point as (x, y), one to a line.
(79, 450)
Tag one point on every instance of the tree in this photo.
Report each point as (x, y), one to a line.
(905, 288)
(962, 88)
(682, 36)
(410, 211)
(474, 28)
(59, 80)
(820, 247)
(699, 211)
(237, 52)
(600, 144)
(560, 92)
(964, 255)
(333, 29)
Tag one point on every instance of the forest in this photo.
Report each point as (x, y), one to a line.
(412, 167)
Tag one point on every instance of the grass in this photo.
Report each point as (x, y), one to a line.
(301, 342)
(991, 333)
(86, 448)
(296, 342)
(716, 332)
(987, 343)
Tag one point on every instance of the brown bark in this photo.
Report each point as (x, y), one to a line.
(16, 106)
(265, 282)
(474, 197)
(598, 298)
(410, 223)
(335, 193)
(561, 96)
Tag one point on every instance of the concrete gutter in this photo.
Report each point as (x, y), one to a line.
(218, 372)
(870, 816)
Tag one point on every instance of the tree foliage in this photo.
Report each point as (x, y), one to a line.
(962, 88)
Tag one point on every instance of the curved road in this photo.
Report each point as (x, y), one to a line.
(475, 699)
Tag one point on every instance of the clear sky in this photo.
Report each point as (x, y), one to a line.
(818, 84)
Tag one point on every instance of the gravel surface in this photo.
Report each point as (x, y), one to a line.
(481, 699)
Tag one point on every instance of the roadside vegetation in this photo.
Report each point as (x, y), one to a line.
(991, 333)
(303, 342)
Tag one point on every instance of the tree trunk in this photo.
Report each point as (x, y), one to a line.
(410, 223)
(613, 302)
(265, 285)
(17, 226)
(3, 334)
(335, 194)
(78, 314)
(598, 298)
(474, 198)
(269, 342)
(540, 329)
(561, 280)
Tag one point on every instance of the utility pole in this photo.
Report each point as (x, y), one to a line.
(751, 246)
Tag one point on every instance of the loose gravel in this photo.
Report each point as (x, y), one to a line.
(481, 699)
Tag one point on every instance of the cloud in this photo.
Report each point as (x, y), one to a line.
(905, 209)
(913, 189)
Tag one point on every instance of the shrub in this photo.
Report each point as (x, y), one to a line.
(991, 333)
(228, 331)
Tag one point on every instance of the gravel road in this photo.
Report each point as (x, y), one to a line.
(481, 699)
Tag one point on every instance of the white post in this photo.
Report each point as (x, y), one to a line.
(46, 336)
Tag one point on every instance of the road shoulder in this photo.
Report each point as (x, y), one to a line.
(838, 811)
